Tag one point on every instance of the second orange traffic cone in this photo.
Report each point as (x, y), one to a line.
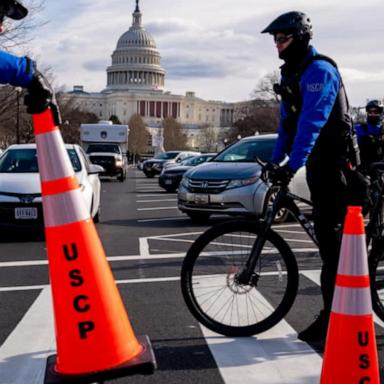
(94, 337)
(350, 352)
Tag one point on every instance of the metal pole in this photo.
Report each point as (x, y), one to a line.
(18, 91)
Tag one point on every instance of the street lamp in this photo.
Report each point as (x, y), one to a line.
(18, 93)
(225, 142)
(238, 137)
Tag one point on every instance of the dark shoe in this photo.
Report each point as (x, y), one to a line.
(317, 331)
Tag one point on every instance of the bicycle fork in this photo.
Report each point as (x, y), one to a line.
(247, 276)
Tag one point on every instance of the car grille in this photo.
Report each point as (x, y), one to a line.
(107, 162)
(207, 186)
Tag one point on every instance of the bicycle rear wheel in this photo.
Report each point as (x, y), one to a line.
(212, 293)
(376, 272)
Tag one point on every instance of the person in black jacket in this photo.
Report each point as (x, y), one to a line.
(316, 131)
(371, 135)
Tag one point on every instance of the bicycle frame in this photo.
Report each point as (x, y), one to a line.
(283, 199)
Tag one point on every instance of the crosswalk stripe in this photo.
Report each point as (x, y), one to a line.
(274, 357)
(23, 355)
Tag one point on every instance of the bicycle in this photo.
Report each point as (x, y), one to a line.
(240, 277)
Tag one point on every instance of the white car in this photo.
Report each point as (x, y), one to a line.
(20, 190)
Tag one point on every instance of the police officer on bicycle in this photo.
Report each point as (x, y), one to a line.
(315, 130)
(21, 71)
(371, 135)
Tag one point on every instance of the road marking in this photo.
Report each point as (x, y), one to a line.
(314, 276)
(152, 256)
(144, 247)
(155, 208)
(273, 357)
(154, 201)
(156, 195)
(163, 219)
(23, 354)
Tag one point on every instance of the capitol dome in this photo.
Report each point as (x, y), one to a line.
(136, 60)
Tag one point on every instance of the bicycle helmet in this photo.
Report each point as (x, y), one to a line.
(375, 104)
(296, 23)
(12, 9)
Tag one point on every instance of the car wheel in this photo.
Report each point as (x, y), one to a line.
(198, 217)
(96, 218)
(121, 177)
(170, 190)
(282, 214)
(149, 174)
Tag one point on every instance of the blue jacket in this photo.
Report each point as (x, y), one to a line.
(363, 130)
(16, 71)
(319, 87)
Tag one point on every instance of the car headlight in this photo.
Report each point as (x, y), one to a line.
(157, 166)
(184, 181)
(118, 163)
(242, 182)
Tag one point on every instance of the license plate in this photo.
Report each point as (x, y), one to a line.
(168, 182)
(26, 213)
(201, 199)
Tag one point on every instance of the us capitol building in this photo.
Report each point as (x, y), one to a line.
(135, 84)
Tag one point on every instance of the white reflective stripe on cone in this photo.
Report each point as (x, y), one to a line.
(50, 167)
(356, 266)
(352, 301)
(64, 208)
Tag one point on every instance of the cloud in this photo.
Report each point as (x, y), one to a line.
(95, 65)
(214, 47)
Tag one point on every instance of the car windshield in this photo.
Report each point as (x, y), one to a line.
(248, 151)
(111, 148)
(25, 161)
(166, 155)
(195, 160)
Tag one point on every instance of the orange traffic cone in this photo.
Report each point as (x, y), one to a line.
(94, 337)
(350, 352)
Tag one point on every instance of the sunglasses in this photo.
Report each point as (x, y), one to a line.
(282, 39)
(373, 112)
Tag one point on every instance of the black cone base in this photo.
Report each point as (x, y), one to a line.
(144, 363)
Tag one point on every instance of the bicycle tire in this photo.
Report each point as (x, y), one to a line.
(287, 278)
(376, 273)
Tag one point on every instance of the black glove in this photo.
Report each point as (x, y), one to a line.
(40, 96)
(281, 175)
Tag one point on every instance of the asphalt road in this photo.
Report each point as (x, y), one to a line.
(145, 238)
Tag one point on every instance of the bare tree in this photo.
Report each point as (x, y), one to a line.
(259, 115)
(72, 117)
(264, 88)
(138, 137)
(208, 139)
(174, 137)
(20, 32)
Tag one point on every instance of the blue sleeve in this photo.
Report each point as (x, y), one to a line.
(14, 70)
(360, 132)
(280, 151)
(320, 85)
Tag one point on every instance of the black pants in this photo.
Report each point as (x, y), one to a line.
(329, 197)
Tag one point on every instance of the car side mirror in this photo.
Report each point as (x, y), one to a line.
(94, 169)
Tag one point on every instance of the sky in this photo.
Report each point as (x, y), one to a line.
(213, 48)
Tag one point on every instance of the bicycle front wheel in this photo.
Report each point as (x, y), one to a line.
(376, 272)
(215, 297)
